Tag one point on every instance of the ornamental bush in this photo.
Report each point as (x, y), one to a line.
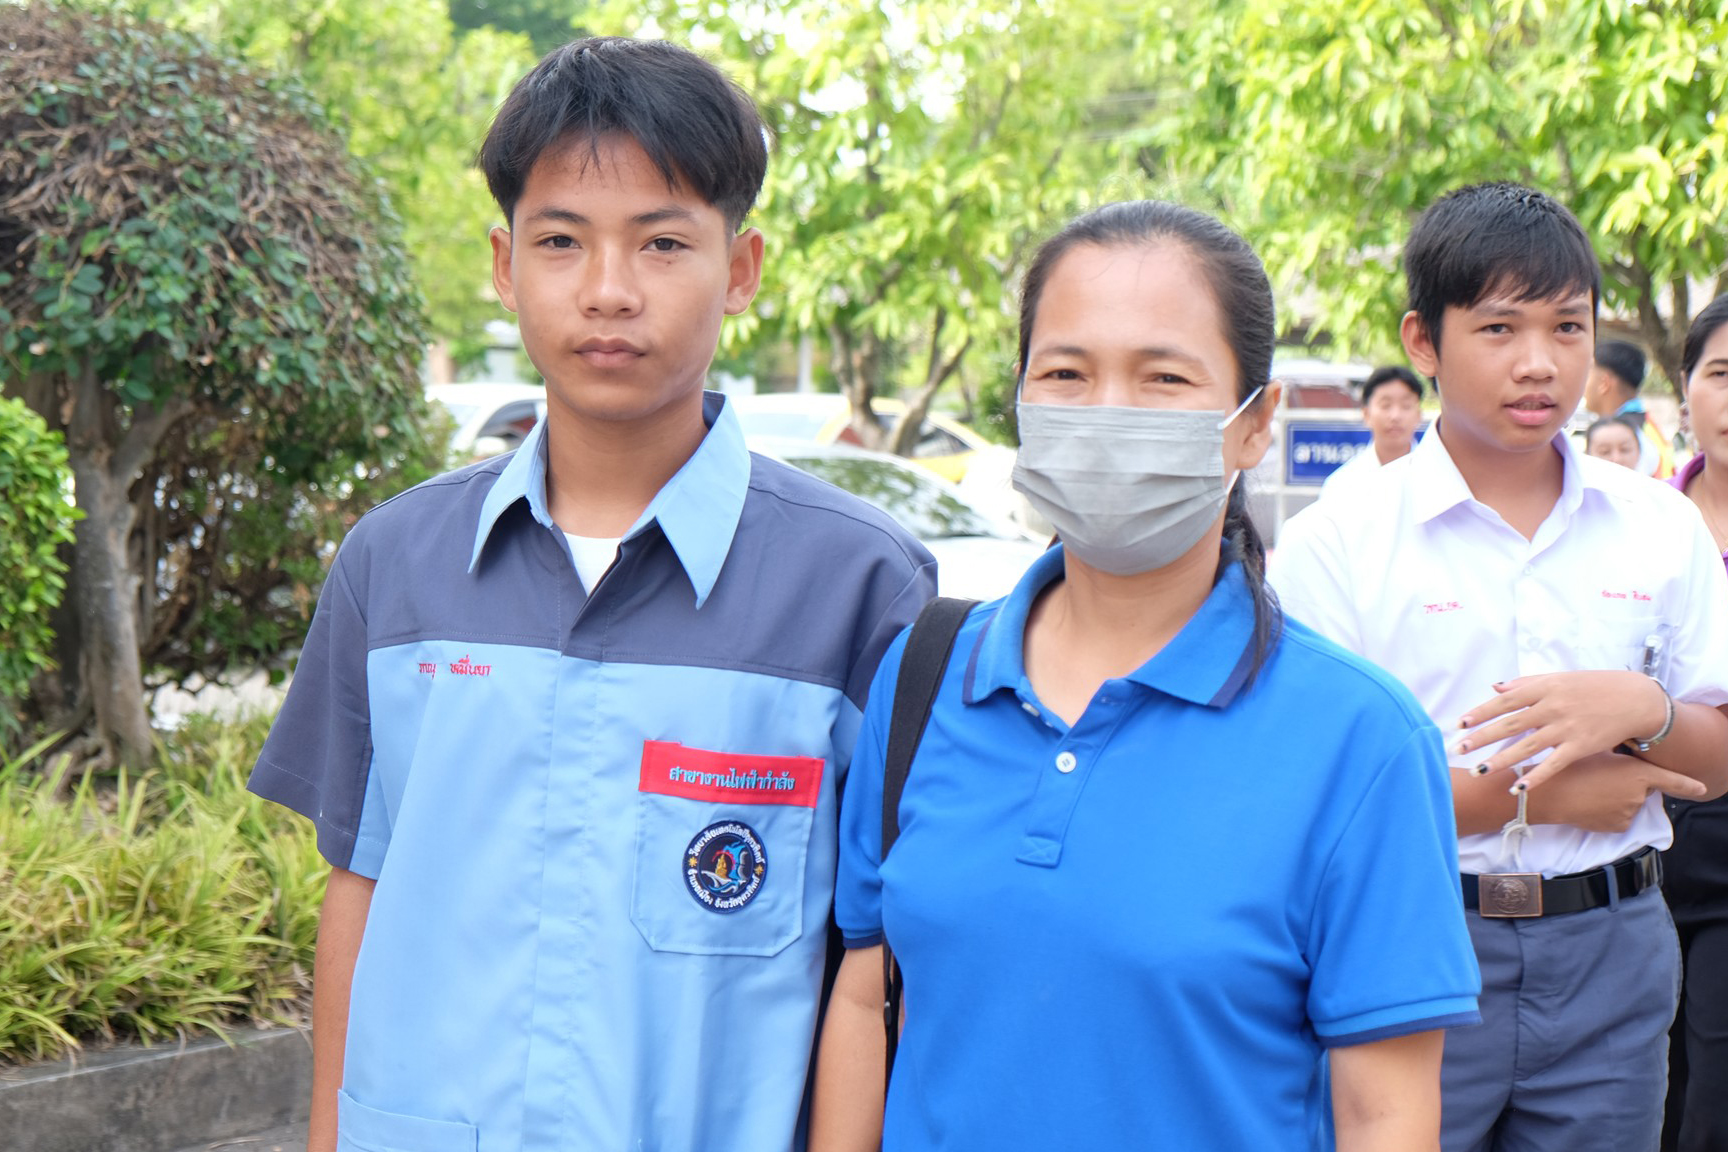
(210, 298)
(35, 521)
(153, 907)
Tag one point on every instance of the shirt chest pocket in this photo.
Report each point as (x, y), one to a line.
(1624, 637)
(722, 846)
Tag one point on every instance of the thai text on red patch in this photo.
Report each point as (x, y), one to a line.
(672, 769)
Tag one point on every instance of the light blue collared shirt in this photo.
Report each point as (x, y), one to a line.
(602, 826)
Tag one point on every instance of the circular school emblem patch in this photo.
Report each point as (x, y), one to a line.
(724, 866)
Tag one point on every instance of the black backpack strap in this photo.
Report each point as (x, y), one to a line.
(921, 669)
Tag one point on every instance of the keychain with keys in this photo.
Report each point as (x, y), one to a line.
(1518, 828)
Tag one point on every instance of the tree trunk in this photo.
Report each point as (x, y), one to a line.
(106, 458)
(857, 357)
(105, 591)
(936, 373)
(1662, 335)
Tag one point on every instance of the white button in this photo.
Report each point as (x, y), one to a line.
(1531, 643)
(1031, 708)
(1529, 570)
(1065, 762)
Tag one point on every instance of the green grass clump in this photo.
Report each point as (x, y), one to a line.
(152, 907)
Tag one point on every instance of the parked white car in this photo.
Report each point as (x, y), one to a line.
(490, 417)
(979, 556)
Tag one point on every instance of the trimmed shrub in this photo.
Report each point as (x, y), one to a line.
(153, 907)
(35, 520)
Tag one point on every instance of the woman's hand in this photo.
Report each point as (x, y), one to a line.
(1570, 715)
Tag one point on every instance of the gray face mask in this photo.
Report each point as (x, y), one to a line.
(1127, 489)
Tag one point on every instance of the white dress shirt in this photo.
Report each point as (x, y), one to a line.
(1360, 467)
(1415, 574)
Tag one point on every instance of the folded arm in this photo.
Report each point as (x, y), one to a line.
(1574, 715)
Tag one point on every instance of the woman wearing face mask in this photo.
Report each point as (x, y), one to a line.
(1161, 852)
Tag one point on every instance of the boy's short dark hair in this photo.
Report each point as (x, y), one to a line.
(1625, 360)
(1488, 239)
(1387, 375)
(697, 126)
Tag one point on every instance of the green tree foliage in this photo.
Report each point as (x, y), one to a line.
(546, 23)
(35, 520)
(206, 297)
(1324, 129)
(414, 95)
(921, 150)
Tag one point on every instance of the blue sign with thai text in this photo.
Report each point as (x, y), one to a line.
(1314, 451)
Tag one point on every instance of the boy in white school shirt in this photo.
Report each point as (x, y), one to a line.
(1567, 620)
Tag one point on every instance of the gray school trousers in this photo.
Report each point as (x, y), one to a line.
(1572, 1051)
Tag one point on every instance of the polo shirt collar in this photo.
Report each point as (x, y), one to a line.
(1438, 486)
(697, 510)
(1206, 663)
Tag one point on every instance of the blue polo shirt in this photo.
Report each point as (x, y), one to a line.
(602, 826)
(1145, 930)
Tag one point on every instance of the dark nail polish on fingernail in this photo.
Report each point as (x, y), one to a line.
(1521, 786)
(1480, 769)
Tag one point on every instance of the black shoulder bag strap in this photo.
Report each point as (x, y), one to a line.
(921, 669)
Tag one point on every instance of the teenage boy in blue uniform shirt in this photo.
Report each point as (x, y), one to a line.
(1565, 620)
(571, 723)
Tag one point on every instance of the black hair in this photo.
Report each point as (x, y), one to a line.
(1491, 239)
(698, 127)
(1624, 359)
(1244, 297)
(1704, 325)
(1388, 374)
(1610, 421)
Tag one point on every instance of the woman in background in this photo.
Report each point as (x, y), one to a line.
(1696, 868)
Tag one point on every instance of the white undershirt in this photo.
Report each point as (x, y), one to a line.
(593, 555)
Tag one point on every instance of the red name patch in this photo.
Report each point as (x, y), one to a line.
(697, 774)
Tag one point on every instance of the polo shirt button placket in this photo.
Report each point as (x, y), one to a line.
(1066, 763)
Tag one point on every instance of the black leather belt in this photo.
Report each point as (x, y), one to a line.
(1521, 895)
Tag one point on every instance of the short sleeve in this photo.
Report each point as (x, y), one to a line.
(890, 622)
(1310, 573)
(318, 756)
(858, 887)
(1390, 952)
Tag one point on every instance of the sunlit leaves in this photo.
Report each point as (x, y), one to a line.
(1324, 129)
(920, 150)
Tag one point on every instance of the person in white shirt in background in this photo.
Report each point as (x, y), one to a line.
(1392, 409)
(1568, 621)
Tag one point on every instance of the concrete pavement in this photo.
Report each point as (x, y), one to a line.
(291, 1138)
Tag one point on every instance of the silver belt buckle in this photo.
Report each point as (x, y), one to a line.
(1509, 895)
